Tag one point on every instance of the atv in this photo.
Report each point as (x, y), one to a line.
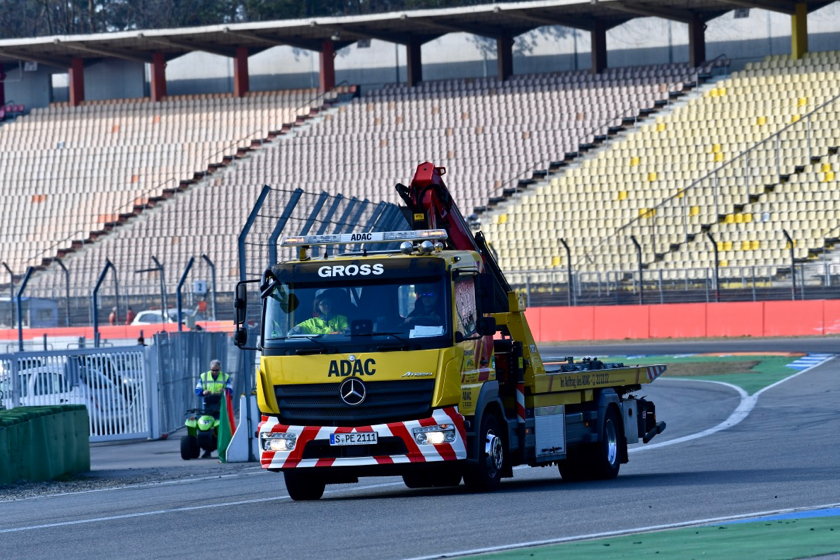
(202, 429)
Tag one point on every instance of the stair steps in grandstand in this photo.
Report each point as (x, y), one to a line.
(572, 160)
(738, 208)
(166, 196)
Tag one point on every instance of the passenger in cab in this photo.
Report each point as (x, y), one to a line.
(427, 307)
(329, 321)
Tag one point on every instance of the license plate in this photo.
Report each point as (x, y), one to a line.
(355, 438)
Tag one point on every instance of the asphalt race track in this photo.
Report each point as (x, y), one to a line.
(782, 454)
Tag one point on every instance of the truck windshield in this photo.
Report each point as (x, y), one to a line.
(358, 312)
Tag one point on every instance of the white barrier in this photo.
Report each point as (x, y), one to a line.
(237, 451)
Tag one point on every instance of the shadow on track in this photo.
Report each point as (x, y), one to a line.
(632, 482)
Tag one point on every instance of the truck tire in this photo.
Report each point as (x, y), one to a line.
(439, 479)
(596, 461)
(189, 448)
(487, 474)
(303, 486)
(606, 456)
(575, 467)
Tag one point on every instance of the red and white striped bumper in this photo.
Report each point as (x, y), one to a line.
(426, 453)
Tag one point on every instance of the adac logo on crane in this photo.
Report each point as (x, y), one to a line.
(352, 366)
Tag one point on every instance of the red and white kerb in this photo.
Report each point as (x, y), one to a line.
(428, 453)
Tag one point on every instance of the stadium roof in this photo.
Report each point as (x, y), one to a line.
(410, 27)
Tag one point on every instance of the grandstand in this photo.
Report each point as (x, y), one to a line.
(647, 184)
(595, 160)
(364, 147)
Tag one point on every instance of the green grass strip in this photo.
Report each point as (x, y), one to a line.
(760, 540)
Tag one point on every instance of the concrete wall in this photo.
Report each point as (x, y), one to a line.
(33, 89)
(43, 442)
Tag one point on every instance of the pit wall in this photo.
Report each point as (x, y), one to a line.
(107, 332)
(43, 442)
(617, 322)
(685, 320)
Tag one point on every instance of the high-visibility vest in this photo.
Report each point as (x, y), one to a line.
(215, 386)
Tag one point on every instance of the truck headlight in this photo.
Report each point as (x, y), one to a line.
(278, 441)
(439, 433)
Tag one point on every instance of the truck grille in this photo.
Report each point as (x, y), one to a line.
(387, 401)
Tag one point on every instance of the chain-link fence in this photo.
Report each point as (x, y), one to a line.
(182, 357)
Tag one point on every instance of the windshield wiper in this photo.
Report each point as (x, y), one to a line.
(407, 345)
(313, 338)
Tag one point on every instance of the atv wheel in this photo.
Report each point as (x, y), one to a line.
(303, 486)
(206, 441)
(189, 448)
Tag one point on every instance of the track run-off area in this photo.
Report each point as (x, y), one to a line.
(729, 456)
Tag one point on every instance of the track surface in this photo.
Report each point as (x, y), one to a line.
(783, 455)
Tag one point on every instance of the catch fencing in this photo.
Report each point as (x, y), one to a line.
(180, 358)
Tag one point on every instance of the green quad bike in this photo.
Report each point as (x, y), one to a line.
(202, 429)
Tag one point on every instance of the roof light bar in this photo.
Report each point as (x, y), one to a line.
(364, 237)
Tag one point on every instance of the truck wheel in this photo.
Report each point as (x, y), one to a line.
(487, 474)
(439, 479)
(416, 480)
(575, 467)
(303, 486)
(606, 457)
(189, 448)
(596, 461)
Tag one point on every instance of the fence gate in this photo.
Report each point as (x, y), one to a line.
(180, 358)
(111, 382)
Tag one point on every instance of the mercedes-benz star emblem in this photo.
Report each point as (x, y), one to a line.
(353, 391)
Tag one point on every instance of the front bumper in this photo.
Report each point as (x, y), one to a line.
(314, 440)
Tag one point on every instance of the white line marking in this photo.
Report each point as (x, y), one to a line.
(178, 510)
(746, 405)
(651, 528)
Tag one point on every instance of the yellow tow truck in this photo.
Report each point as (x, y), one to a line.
(422, 365)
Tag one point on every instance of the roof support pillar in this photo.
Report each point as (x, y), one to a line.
(696, 41)
(599, 47)
(241, 81)
(2, 86)
(77, 82)
(327, 69)
(158, 77)
(799, 31)
(504, 56)
(415, 62)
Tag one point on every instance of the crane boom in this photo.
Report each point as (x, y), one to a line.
(428, 198)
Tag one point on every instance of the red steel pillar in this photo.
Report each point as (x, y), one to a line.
(504, 56)
(241, 82)
(414, 62)
(327, 69)
(77, 82)
(158, 77)
(599, 47)
(696, 41)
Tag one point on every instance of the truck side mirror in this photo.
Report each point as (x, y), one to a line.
(240, 303)
(484, 292)
(486, 326)
(240, 337)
